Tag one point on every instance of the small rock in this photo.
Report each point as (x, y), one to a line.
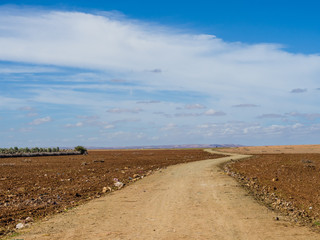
(78, 195)
(20, 226)
(119, 185)
(104, 189)
(29, 219)
(277, 218)
(98, 161)
(136, 175)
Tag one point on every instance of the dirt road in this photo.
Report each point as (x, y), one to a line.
(186, 201)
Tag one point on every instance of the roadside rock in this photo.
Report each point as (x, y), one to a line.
(106, 189)
(117, 183)
(29, 219)
(20, 225)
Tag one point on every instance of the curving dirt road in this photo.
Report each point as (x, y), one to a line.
(187, 201)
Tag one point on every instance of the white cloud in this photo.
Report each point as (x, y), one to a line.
(169, 127)
(187, 61)
(195, 106)
(117, 63)
(124, 110)
(212, 112)
(245, 105)
(78, 124)
(110, 126)
(39, 121)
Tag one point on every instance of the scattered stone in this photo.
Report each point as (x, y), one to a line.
(78, 195)
(117, 183)
(277, 218)
(306, 161)
(20, 226)
(104, 189)
(136, 175)
(98, 161)
(29, 219)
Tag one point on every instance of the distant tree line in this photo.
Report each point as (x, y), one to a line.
(16, 150)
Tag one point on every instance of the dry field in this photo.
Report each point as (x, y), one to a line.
(274, 149)
(38, 186)
(287, 182)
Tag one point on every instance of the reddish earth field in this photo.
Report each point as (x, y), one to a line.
(274, 149)
(38, 186)
(289, 183)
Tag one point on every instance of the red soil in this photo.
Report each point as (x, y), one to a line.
(287, 182)
(38, 186)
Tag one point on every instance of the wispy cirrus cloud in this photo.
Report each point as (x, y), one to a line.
(212, 112)
(124, 110)
(78, 124)
(65, 64)
(245, 105)
(148, 102)
(195, 106)
(39, 121)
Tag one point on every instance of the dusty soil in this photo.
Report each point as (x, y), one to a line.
(289, 183)
(187, 201)
(274, 149)
(38, 186)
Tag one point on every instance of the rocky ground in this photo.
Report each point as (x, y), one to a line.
(288, 183)
(33, 187)
(186, 201)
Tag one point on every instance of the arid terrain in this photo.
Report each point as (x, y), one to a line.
(196, 200)
(288, 181)
(274, 149)
(38, 186)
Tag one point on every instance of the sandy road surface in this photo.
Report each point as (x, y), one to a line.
(186, 201)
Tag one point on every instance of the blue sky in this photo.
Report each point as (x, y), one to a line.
(121, 73)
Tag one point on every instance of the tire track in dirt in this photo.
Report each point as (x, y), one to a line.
(187, 201)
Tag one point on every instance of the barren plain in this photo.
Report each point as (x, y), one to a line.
(196, 200)
(288, 181)
(274, 149)
(37, 186)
